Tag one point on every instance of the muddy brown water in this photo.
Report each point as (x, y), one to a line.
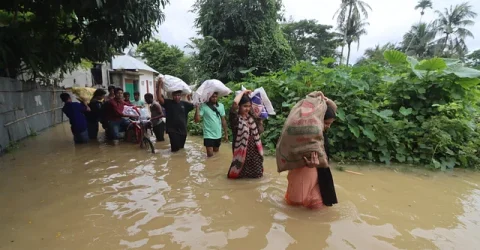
(54, 195)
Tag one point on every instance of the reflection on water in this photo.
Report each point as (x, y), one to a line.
(57, 196)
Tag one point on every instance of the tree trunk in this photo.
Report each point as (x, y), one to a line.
(347, 28)
(341, 55)
(348, 55)
(445, 44)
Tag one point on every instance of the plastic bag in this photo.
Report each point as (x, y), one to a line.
(83, 94)
(260, 103)
(208, 87)
(130, 110)
(172, 84)
(144, 114)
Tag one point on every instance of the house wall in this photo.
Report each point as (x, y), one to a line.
(146, 77)
(77, 78)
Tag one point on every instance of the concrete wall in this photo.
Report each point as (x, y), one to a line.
(27, 108)
(146, 77)
(77, 78)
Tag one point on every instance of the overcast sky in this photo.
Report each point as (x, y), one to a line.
(389, 20)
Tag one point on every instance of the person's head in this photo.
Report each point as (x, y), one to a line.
(126, 96)
(118, 93)
(245, 105)
(65, 97)
(148, 98)
(214, 98)
(111, 90)
(177, 96)
(99, 94)
(330, 117)
(136, 96)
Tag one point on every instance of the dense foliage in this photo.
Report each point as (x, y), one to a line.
(239, 35)
(410, 112)
(310, 40)
(166, 59)
(42, 37)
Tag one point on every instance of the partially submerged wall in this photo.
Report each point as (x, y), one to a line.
(26, 108)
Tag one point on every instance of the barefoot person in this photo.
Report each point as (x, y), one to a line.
(213, 115)
(176, 114)
(247, 147)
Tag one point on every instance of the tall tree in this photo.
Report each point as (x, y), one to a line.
(353, 31)
(166, 59)
(348, 10)
(423, 5)
(239, 35)
(453, 23)
(45, 36)
(419, 41)
(310, 40)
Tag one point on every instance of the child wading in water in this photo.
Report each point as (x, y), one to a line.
(247, 147)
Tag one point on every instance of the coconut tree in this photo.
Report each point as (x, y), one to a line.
(452, 23)
(353, 30)
(423, 5)
(420, 40)
(348, 9)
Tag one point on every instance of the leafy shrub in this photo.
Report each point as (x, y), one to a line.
(409, 112)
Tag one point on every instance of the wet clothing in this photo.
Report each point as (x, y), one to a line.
(177, 141)
(311, 187)
(212, 143)
(212, 120)
(158, 126)
(78, 123)
(247, 147)
(177, 114)
(94, 117)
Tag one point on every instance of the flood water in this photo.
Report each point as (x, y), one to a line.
(54, 195)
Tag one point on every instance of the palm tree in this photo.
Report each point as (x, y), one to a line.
(353, 30)
(452, 24)
(423, 5)
(376, 53)
(348, 9)
(419, 41)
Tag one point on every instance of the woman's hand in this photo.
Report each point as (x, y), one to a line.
(313, 162)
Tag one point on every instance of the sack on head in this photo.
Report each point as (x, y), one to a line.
(302, 134)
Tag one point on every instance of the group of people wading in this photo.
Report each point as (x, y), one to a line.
(308, 186)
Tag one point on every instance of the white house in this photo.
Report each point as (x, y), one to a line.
(97, 76)
(132, 75)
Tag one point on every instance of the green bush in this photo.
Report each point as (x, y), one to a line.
(414, 112)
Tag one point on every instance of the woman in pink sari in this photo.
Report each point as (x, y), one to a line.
(309, 186)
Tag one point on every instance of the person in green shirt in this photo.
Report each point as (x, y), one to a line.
(213, 115)
(138, 103)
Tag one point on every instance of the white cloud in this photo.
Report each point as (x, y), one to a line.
(389, 20)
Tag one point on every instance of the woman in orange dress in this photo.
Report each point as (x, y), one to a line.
(313, 187)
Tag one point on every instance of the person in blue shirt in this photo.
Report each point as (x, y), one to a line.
(75, 112)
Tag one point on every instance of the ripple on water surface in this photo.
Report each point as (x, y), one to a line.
(102, 197)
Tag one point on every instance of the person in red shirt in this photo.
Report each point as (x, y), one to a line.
(126, 99)
(114, 115)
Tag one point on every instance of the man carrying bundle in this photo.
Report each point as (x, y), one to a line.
(75, 112)
(176, 115)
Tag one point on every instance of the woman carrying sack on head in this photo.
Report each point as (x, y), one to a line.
(312, 185)
(247, 147)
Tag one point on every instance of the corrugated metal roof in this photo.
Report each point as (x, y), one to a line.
(128, 62)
